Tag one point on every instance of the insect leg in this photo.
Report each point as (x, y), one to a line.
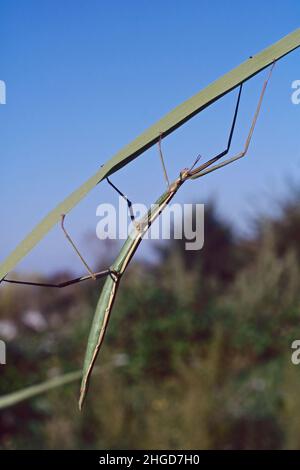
(203, 169)
(75, 247)
(97, 275)
(163, 162)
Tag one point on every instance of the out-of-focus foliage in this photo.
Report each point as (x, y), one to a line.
(197, 355)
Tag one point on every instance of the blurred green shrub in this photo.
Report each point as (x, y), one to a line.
(197, 354)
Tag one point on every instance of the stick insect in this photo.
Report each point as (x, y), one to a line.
(115, 272)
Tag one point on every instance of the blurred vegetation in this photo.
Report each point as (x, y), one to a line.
(197, 353)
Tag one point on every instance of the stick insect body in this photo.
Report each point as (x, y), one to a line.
(114, 273)
(110, 288)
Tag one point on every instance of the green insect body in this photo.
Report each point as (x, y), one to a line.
(109, 291)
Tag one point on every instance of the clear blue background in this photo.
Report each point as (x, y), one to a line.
(86, 77)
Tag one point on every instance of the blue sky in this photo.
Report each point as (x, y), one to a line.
(85, 78)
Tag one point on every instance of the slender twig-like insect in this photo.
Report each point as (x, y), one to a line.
(115, 272)
(109, 291)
